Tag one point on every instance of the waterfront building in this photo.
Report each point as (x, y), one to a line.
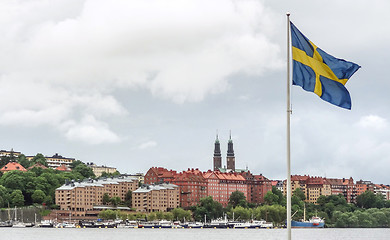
(257, 187)
(192, 186)
(297, 181)
(345, 187)
(315, 187)
(382, 189)
(156, 198)
(80, 197)
(221, 185)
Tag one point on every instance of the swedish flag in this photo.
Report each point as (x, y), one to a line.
(316, 71)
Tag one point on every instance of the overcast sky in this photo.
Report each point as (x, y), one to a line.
(136, 84)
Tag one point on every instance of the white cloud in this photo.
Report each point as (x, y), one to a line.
(373, 122)
(62, 61)
(148, 144)
(90, 131)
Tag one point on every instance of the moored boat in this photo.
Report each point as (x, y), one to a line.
(6, 224)
(195, 225)
(314, 222)
(46, 224)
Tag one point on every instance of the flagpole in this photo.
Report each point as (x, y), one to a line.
(289, 111)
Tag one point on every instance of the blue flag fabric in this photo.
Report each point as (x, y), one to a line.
(316, 71)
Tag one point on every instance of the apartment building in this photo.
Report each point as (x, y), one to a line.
(315, 187)
(156, 198)
(221, 185)
(80, 197)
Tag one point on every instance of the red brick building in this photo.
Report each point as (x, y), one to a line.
(192, 186)
(158, 175)
(221, 185)
(257, 186)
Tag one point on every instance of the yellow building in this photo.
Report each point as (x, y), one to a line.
(55, 161)
(99, 170)
(315, 187)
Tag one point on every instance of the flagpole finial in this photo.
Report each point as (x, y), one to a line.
(288, 14)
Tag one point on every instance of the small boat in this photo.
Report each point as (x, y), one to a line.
(219, 223)
(83, 224)
(6, 224)
(165, 224)
(66, 225)
(195, 225)
(148, 225)
(46, 224)
(128, 224)
(241, 224)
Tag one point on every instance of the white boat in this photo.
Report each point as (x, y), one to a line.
(17, 224)
(195, 225)
(241, 224)
(165, 224)
(66, 225)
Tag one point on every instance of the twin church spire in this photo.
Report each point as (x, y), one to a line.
(230, 158)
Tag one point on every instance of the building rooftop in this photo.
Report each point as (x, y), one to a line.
(11, 166)
(69, 185)
(148, 188)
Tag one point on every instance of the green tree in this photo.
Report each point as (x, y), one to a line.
(300, 194)
(237, 198)
(152, 217)
(369, 199)
(181, 215)
(168, 216)
(106, 198)
(115, 200)
(17, 198)
(270, 198)
(39, 158)
(240, 213)
(75, 164)
(108, 214)
(84, 170)
(22, 160)
(128, 198)
(4, 197)
(207, 206)
(38, 196)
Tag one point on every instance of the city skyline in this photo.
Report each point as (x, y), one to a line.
(137, 84)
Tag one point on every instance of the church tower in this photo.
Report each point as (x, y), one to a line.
(217, 155)
(230, 159)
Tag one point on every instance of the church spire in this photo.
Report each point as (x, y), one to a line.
(230, 159)
(217, 159)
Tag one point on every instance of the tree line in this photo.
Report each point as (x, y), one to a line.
(370, 210)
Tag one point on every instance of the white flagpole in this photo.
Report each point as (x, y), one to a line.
(288, 194)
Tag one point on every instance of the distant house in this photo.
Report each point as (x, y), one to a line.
(63, 168)
(13, 166)
(37, 165)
